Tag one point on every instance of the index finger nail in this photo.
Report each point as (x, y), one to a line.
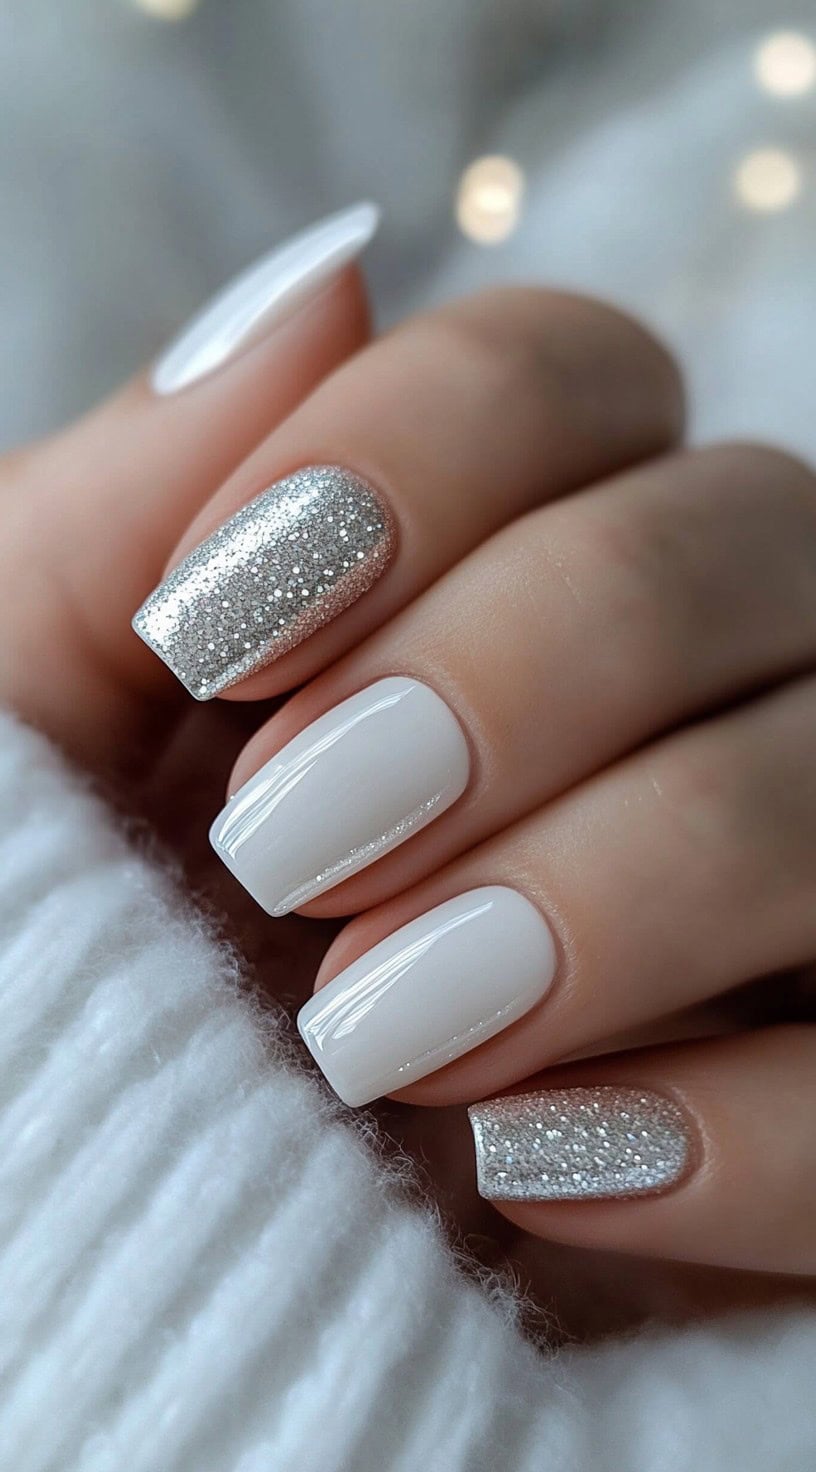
(288, 562)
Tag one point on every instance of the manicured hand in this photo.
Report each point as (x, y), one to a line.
(551, 743)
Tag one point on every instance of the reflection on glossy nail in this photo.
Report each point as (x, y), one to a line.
(263, 296)
(349, 788)
(430, 992)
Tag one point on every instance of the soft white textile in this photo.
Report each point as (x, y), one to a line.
(203, 1270)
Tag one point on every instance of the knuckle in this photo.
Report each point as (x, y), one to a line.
(535, 311)
(502, 336)
(613, 558)
(740, 797)
(690, 786)
(580, 348)
(758, 460)
(713, 835)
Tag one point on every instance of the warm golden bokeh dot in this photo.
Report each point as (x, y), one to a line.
(167, 9)
(488, 200)
(785, 64)
(768, 180)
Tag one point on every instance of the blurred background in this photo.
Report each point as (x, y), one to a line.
(658, 152)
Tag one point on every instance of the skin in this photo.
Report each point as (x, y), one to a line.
(656, 799)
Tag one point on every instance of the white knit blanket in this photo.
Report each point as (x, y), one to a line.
(202, 1268)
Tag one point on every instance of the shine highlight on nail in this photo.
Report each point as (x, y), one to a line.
(263, 297)
(284, 565)
(353, 785)
(430, 992)
(578, 1144)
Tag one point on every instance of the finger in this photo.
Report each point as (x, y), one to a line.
(683, 871)
(703, 1153)
(95, 508)
(647, 600)
(406, 459)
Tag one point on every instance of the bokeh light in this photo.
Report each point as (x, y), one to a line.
(785, 64)
(488, 200)
(167, 9)
(768, 180)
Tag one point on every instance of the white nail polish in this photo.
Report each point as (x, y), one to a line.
(263, 296)
(349, 788)
(429, 993)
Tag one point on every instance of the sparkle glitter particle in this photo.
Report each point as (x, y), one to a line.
(195, 620)
(576, 1144)
(362, 855)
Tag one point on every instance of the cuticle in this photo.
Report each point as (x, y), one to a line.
(564, 969)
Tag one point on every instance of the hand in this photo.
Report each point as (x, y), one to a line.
(613, 640)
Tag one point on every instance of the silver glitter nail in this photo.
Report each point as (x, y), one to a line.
(285, 564)
(576, 1144)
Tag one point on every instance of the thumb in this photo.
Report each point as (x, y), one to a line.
(89, 514)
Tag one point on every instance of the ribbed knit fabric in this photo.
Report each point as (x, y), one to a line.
(203, 1270)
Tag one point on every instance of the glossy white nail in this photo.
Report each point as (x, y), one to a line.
(349, 788)
(429, 993)
(263, 296)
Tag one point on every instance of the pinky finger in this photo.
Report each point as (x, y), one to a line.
(703, 1152)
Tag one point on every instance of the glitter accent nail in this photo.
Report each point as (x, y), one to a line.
(284, 565)
(578, 1144)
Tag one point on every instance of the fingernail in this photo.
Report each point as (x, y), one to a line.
(350, 787)
(578, 1144)
(284, 565)
(429, 993)
(263, 296)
